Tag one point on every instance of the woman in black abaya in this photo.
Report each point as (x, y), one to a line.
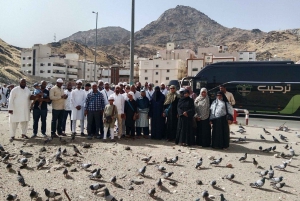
(220, 130)
(186, 111)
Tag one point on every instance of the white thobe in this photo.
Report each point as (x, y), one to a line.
(106, 94)
(77, 99)
(68, 100)
(149, 94)
(164, 92)
(137, 94)
(19, 103)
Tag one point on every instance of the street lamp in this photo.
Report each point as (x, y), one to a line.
(95, 44)
(131, 77)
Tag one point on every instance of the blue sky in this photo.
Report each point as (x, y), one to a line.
(26, 22)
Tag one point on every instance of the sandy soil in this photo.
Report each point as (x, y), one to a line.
(114, 160)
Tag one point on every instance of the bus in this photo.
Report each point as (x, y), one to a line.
(263, 88)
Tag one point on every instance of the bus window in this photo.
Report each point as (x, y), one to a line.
(200, 84)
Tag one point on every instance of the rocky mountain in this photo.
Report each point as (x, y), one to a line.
(105, 36)
(9, 55)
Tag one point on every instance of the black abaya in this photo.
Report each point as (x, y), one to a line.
(171, 125)
(220, 133)
(203, 133)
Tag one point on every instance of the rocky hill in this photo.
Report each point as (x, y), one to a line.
(106, 36)
(9, 55)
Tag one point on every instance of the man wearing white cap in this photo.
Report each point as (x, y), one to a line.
(58, 107)
(163, 89)
(109, 117)
(149, 91)
(106, 92)
(77, 105)
(136, 94)
(100, 85)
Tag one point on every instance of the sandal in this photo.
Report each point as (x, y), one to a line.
(25, 136)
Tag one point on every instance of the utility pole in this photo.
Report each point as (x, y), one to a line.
(95, 46)
(131, 78)
(84, 59)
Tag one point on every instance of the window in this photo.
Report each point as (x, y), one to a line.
(88, 69)
(41, 64)
(194, 69)
(156, 81)
(156, 65)
(87, 76)
(23, 65)
(156, 73)
(146, 78)
(29, 58)
(250, 52)
(241, 58)
(41, 71)
(29, 71)
(168, 71)
(24, 58)
(49, 71)
(250, 58)
(145, 71)
(49, 64)
(28, 64)
(167, 78)
(241, 52)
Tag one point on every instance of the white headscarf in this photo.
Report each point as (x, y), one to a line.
(202, 105)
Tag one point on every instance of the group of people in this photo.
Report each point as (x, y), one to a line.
(4, 94)
(132, 111)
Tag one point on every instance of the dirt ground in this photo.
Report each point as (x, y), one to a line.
(114, 160)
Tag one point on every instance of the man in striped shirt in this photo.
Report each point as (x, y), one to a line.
(94, 106)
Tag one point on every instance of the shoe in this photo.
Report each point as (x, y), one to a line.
(89, 137)
(33, 136)
(25, 136)
(62, 134)
(82, 134)
(99, 137)
(112, 140)
(54, 136)
(44, 135)
(12, 139)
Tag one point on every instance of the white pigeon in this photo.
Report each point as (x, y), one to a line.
(298, 135)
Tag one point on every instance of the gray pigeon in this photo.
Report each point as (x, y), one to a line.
(277, 179)
(292, 151)
(65, 172)
(167, 175)
(20, 179)
(152, 192)
(281, 167)
(142, 170)
(95, 187)
(213, 183)
(286, 146)
(263, 173)
(173, 160)
(41, 163)
(5, 158)
(255, 162)
(278, 185)
(23, 161)
(274, 148)
(275, 139)
(160, 168)
(241, 127)
(108, 196)
(222, 197)
(96, 174)
(298, 135)
(199, 163)
(159, 183)
(113, 179)
(229, 177)
(259, 183)
(205, 194)
(266, 132)
(241, 131)
(283, 138)
(33, 194)
(147, 159)
(50, 194)
(86, 165)
(267, 150)
(216, 162)
(76, 150)
(262, 137)
(58, 153)
(1, 148)
(243, 158)
(26, 154)
(260, 148)
(11, 197)
(9, 167)
(271, 172)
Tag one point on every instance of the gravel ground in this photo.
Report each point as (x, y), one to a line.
(114, 160)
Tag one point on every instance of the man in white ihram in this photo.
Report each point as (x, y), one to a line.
(19, 109)
(77, 105)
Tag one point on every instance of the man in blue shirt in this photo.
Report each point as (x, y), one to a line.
(94, 106)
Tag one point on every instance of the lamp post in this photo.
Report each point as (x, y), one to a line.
(131, 78)
(95, 45)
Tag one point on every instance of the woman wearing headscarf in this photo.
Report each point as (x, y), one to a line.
(202, 109)
(218, 117)
(186, 111)
(170, 111)
(156, 114)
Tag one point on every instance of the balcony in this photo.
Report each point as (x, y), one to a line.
(58, 72)
(72, 76)
(59, 65)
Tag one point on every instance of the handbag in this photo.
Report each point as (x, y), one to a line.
(229, 117)
(109, 119)
(166, 111)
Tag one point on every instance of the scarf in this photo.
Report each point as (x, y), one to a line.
(171, 96)
(202, 106)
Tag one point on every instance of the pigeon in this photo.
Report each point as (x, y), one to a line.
(241, 131)
(262, 137)
(76, 150)
(33, 194)
(271, 172)
(205, 194)
(173, 160)
(278, 185)
(199, 163)
(243, 158)
(95, 187)
(96, 174)
(26, 154)
(147, 159)
(23, 161)
(213, 183)
(5, 158)
(41, 163)
(160, 168)
(216, 162)
(283, 138)
(159, 183)
(275, 139)
(167, 175)
(266, 132)
(11, 197)
(267, 150)
(86, 165)
(222, 197)
(232, 133)
(260, 148)
(229, 177)
(259, 183)
(64, 152)
(255, 162)
(142, 171)
(58, 153)
(1, 148)
(113, 179)
(274, 148)
(108, 196)
(241, 127)
(286, 146)
(298, 135)
(277, 179)
(292, 151)
(51, 194)
(281, 167)
(20, 179)
(9, 167)
(152, 192)
(241, 139)
(263, 173)
(94, 170)
(288, 161)
(65, 172)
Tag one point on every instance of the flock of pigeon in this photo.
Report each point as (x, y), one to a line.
(100, 188)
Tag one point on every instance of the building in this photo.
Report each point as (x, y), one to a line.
(158, 71)
(170, 53)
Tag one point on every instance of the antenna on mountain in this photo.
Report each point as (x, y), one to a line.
(54, 38)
